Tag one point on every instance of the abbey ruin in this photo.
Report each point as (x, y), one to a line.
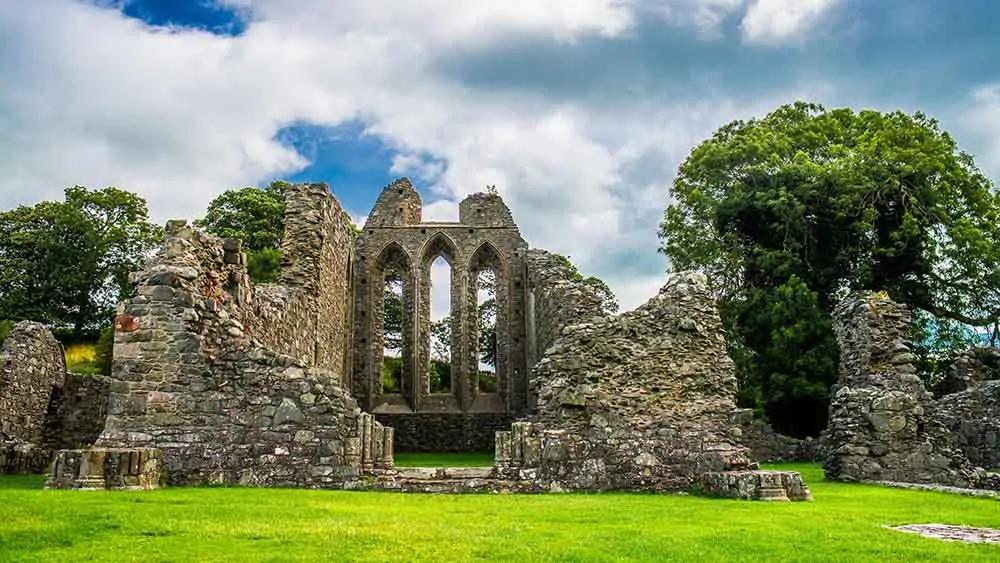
(219, 380)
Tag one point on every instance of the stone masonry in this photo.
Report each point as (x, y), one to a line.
(42, 407)
(32, 364)
(485, 237)
(238, 384)
(881, 428)
(640, 401)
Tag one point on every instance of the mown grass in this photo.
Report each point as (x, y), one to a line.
(845, 523)
(484, 459)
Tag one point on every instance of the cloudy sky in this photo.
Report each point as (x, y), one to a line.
(579, 111)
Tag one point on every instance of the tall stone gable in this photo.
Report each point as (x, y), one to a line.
(485, 237)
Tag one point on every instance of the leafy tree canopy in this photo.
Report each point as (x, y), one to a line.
(788, 213)
(67, 263)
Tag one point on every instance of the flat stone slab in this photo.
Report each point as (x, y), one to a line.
(952, 533)
(939, 489)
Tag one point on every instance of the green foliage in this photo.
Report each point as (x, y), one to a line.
(66, 264)
(255, 216)
(839, 201)
(609, 303)
(392, 374)
(439, 376)
(392, 310)
(845, 523)
(5, 327)
(264, 265)
(105, 350)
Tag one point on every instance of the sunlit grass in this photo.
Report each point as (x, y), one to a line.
(484, 459)
(845, 523)
(81, 358)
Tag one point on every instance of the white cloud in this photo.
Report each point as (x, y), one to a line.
(979, 118)
(769, 22)
(91, 97)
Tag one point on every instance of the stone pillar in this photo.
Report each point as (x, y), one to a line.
(413, 373)
(384, 458)
(367, 431)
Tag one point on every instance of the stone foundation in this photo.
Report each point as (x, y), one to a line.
(754, 485)
(23, 458)
(107, 468)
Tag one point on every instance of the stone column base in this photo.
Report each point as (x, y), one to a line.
(754, 485)
(107, 468)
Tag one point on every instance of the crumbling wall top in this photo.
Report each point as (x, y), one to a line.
(398, 205)
(485, 210)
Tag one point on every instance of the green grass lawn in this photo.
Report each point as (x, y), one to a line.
(845, 523)
(443, 460)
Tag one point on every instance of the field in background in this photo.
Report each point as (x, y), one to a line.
(845, 523)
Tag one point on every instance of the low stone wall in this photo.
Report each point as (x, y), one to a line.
(970, 420)
(445, 432)
(23, 458)
(767, 446)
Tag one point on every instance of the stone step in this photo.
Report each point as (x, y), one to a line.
(772, 493)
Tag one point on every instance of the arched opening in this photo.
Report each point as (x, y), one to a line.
(392, 337)
(439, 373)
(487, 300)
(439, 353)
(486, 330)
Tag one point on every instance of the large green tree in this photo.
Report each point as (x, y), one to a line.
(256, 216)
(791, 211)
(66, 263)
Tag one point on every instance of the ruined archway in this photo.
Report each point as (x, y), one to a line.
(391, 375)
(439, 247)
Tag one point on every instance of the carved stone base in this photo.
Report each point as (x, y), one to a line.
(754, 485)
(107, 468)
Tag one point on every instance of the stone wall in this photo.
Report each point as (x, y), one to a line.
(484, 238)
(445, 432)
(970, 368)
(307, 314)
(879, 427)
(32, 364)
(970, 419)
(767, 446)
(555, 301)
(639, 401)
(195, 377)
(76, 412)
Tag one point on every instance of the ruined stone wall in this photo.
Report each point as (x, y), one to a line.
(640, 401)
(767, 446)
(879, 427)
(76, 412)
(190, 377)
(970, 419)
(555, 301)
(970, 368)
(485, 237)
(306, 315)
(32, 364)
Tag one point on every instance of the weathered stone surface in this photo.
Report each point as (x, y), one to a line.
(972, 367)
(639, 401)
(970, 421)
(754, 485)
(484, 238)
(951, 532)
(239, 384)
(106, 468)
(767, 446)
(23, 458)
(880, 428)
(32, 364)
